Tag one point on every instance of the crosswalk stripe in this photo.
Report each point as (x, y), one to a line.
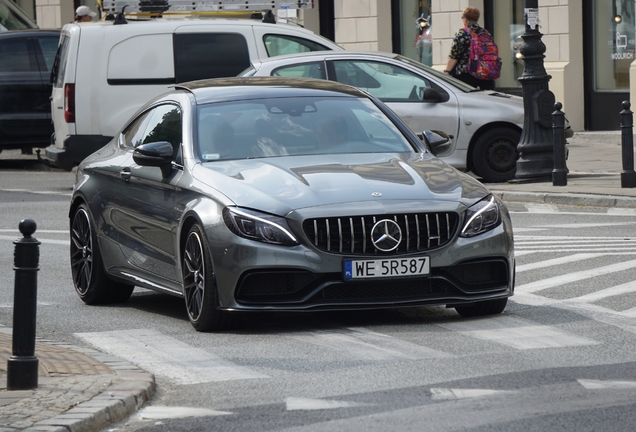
(625, 288)
(305, 404)
(516, 332)
(169, 357)
(438, 394)
(557, 261)
(574, 277)
(367, 345)
(169, 412)
(603, 385)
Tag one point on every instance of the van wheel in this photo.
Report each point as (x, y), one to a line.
(495, 155)
(487, 307)
(199, 285)
(89, 277)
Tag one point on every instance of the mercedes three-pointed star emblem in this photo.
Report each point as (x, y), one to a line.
(386, 235)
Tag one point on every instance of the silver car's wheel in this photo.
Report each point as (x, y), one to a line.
(487, 307)
(495, 155)
(199, 287)
(89, 278)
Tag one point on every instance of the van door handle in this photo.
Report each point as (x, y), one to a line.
(125, 174)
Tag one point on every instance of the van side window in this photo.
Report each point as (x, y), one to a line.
(277, 44)
(209, 55)
(59, 64)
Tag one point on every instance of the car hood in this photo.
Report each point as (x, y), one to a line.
(281, 185)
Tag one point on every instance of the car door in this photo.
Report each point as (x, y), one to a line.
(24, 104)
(147, 211)
(405, 92)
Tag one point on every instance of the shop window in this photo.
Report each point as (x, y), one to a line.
(509, 25)
(417, 30)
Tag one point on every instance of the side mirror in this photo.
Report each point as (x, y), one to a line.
(437, 141)
(156, 154)
(431, 95)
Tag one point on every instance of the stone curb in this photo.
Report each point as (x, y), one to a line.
(133, 387)
(568, 199)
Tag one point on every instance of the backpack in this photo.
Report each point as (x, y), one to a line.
(483, 58)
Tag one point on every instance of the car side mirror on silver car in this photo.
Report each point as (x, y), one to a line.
(436, 141)
(156, 154)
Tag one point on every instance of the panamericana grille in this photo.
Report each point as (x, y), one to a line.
(352, 235)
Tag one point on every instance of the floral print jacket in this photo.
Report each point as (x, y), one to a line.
(461, 48)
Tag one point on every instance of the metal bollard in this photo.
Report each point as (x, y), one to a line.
(628, 175)
(560, 171)
(22, 366)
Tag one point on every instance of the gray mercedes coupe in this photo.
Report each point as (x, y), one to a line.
(284, 194)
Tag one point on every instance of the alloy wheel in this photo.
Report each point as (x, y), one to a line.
(81, 251)
(194, 275)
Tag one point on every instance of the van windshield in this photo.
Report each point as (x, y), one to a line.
(13, 18)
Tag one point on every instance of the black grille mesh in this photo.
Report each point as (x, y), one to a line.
(352, 235)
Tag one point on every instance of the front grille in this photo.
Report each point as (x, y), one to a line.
(352, 235)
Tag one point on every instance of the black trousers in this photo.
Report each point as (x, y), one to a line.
(471, 80)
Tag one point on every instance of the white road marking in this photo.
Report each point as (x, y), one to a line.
(621, 211)
(169, 357)
(168, 412)
(541, 208)
(367, 345)
(516, 332)
(557, 261)
(625, 288)
(586, 225)
(452, 394)
(304, 404)
(607, 385)
(575, 276)
(43, 241)
(38, 192)
(17, 231)
(11, 305)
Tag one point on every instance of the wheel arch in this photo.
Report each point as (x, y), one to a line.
(482, 130)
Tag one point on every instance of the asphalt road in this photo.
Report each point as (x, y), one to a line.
(560, 357)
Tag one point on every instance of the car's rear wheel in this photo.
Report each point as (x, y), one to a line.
(89, 278)
(486, 307)
(199, 285)
(495, 155)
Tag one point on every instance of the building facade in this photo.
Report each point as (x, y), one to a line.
(590, 44)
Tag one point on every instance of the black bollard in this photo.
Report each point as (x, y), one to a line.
(22, 366)
(628, 176)
(560, 171)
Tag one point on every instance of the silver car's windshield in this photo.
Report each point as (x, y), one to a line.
(295, 126)
(447, 78)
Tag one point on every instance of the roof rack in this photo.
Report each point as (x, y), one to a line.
(199, 6)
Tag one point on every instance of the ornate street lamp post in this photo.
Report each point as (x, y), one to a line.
(535, 146)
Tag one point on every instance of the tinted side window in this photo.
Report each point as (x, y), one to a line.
(305, 70)
(59, 64)
(209, 55)
(134, 133)
(48, 47)
(276, 45)
(16, 56)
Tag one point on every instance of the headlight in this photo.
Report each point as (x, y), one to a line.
(481, 217)
(258, 226)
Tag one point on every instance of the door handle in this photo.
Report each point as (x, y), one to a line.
(125, 174)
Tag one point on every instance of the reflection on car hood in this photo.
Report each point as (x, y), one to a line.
(280, 185)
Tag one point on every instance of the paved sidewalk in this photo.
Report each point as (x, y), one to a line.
(78, 390)
(85, 390)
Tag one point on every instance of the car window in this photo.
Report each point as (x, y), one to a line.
(135, 132)
(305, 70)
(209, 55)
(48, 47)
(295, 126)
(387, 82)
(16, 56)
(277, 44)
(59, 63)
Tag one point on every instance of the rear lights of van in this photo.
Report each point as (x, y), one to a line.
(69, 103)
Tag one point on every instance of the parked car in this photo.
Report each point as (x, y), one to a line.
(485, 125)
(105, 71)
(278, 194)
(26, 57)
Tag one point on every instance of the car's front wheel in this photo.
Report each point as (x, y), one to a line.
(495, 155)
(89, 278)
(486, 307)
(199, 285)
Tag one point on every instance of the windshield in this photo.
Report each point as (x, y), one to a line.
(13, 18)
(447, 78)
(295, 126)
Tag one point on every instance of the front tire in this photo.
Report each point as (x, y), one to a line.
(89, 277)
(199, 285)
(486, 307)
(495, 155)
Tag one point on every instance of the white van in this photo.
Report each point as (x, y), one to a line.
(105, 71)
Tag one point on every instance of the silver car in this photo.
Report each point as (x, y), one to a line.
(485, 126)
(276, 194)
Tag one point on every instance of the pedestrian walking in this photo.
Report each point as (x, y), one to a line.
(84, 14)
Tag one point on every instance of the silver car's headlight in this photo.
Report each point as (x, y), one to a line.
(258, 226)
(481, 217)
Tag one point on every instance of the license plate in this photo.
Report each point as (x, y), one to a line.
(386, 267)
